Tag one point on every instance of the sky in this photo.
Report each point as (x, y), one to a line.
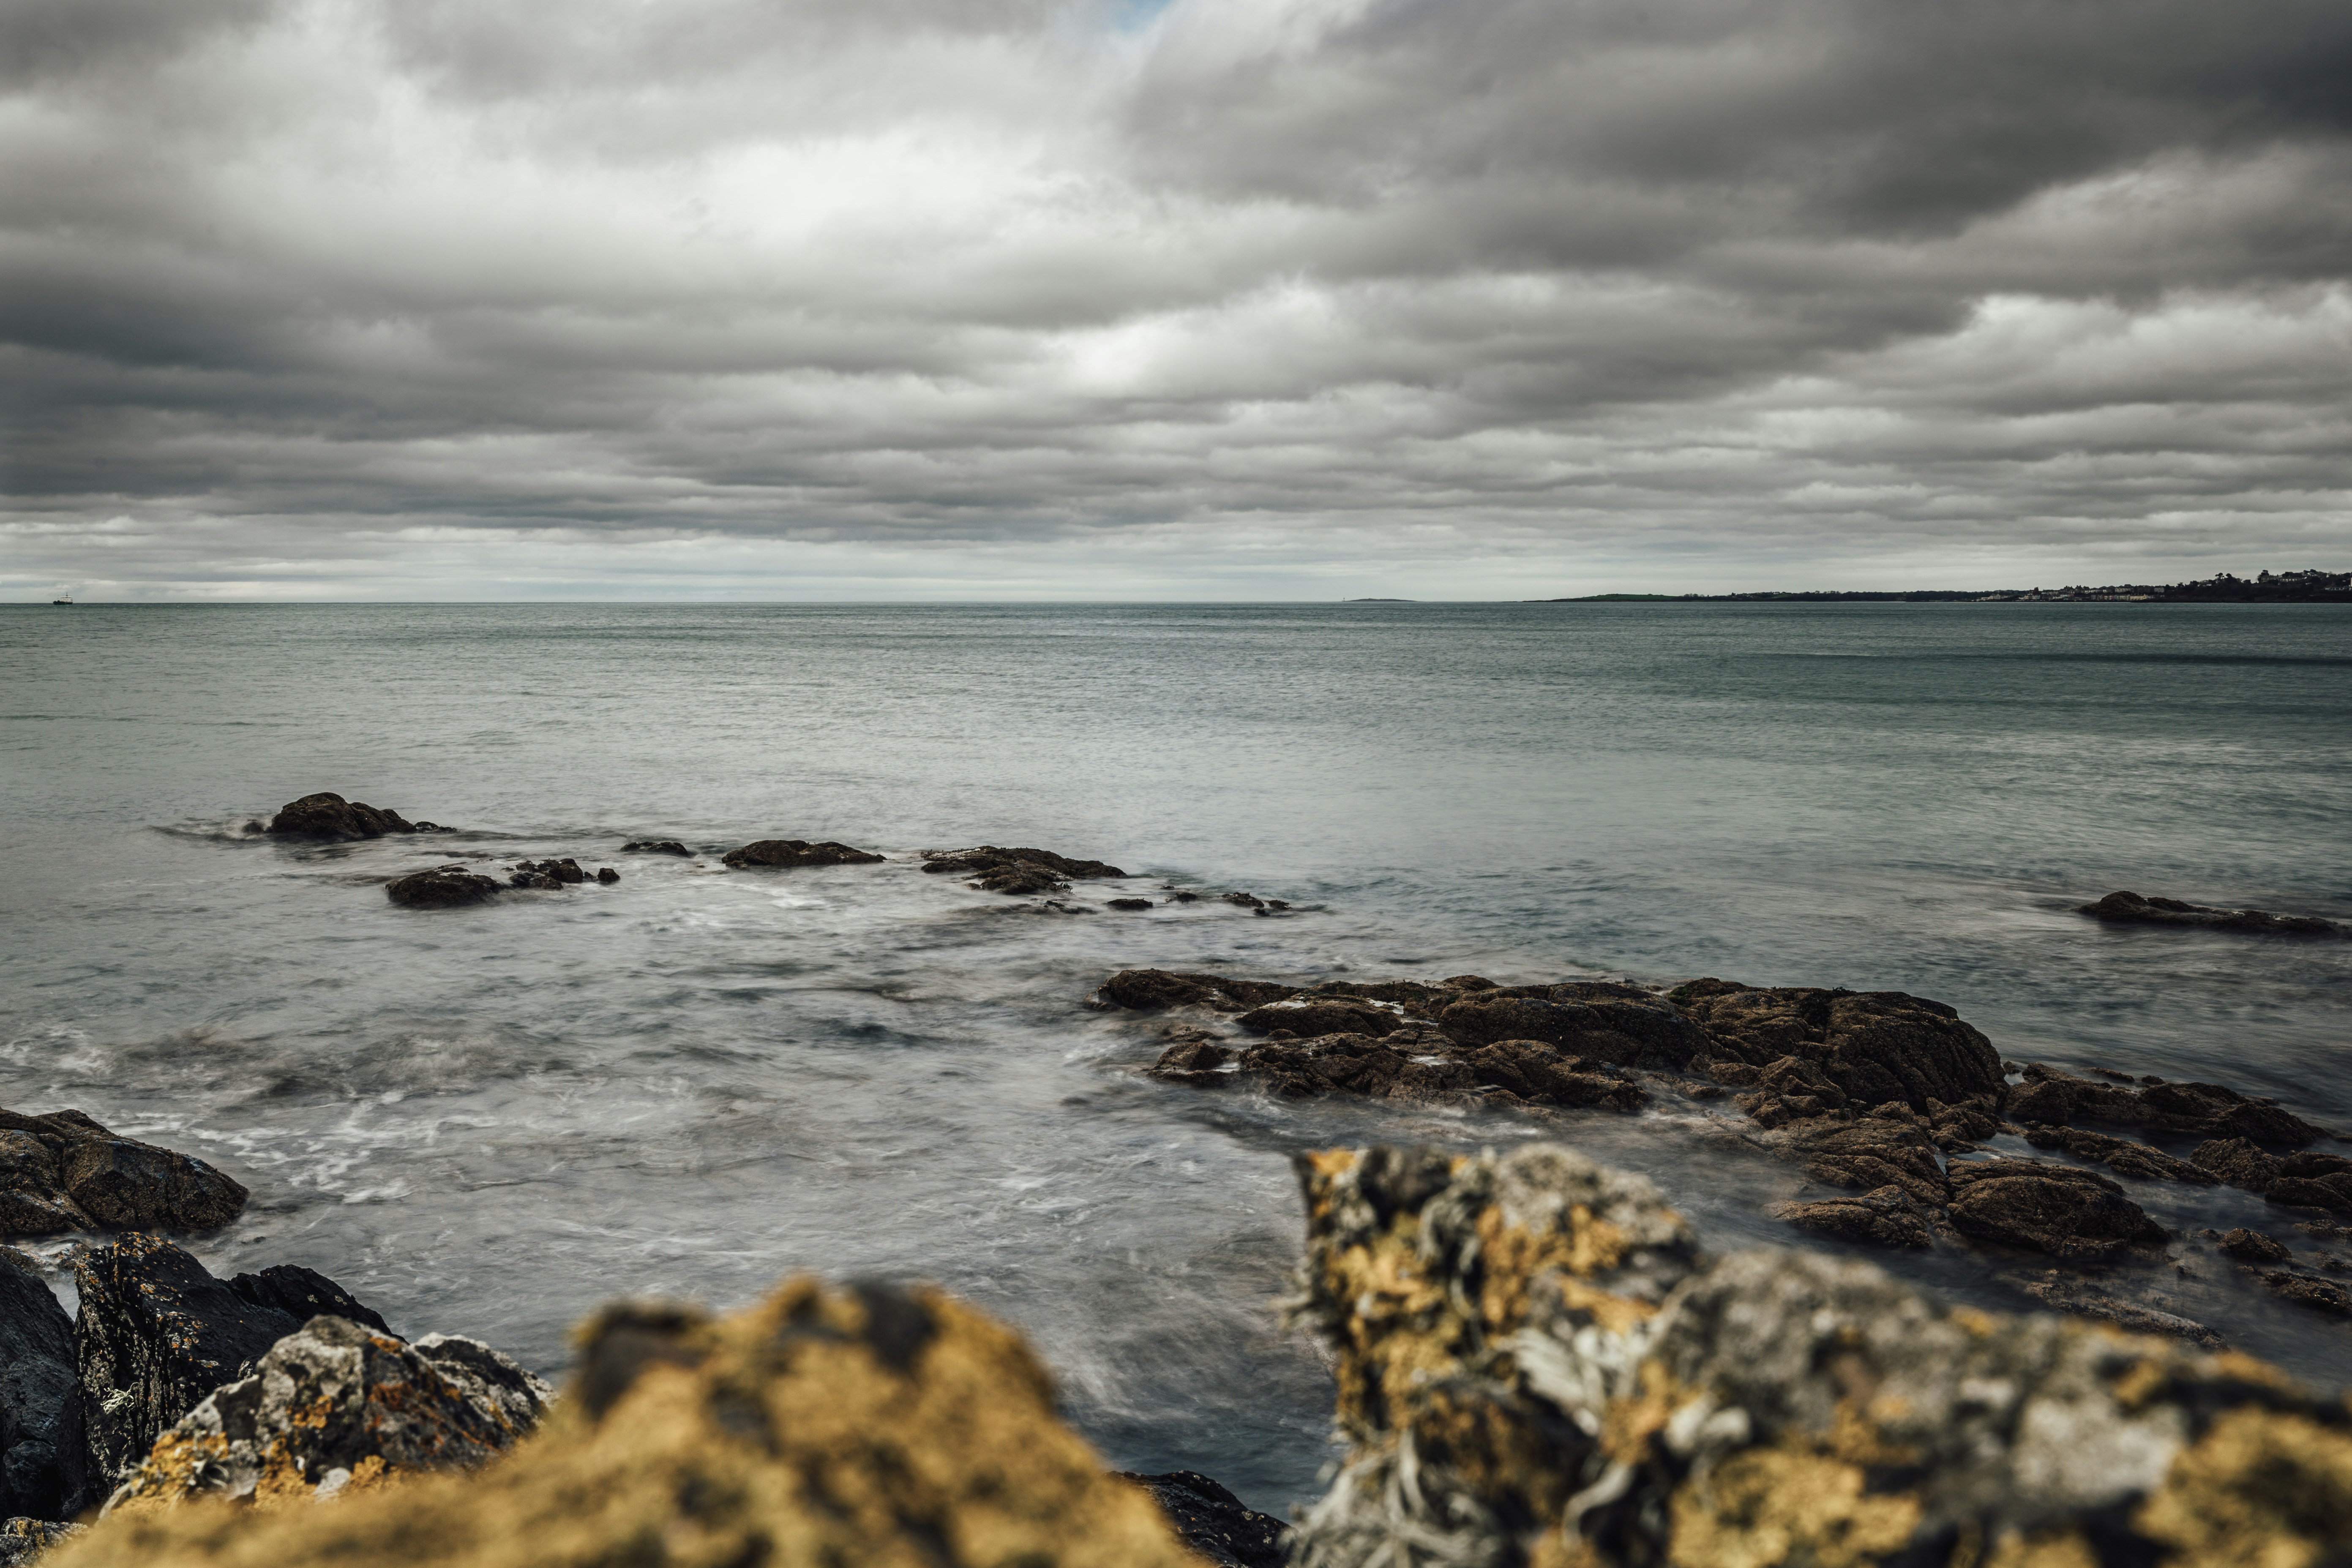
(855, 299)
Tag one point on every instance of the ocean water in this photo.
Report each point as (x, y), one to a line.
(486, 1121)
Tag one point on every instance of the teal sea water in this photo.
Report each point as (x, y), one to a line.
(486, 1120)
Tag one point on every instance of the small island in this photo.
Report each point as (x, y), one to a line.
(2310, 587)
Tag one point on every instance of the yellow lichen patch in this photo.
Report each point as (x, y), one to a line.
(1983, 1325)
(2238, 1365)
(1515, 1257)
(1488, 1442)
(2260, 1489)
(1855, 1436)
(2143, 1380)
(1403, 1332)
(1769, 1506)
(1628, 1424)
(803, 1433)
(2044, 1549)
(174, 1467)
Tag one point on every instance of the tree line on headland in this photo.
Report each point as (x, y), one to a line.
(2313, 587)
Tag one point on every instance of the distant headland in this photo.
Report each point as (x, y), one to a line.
(2268, 588)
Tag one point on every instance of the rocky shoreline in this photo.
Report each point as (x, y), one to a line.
(1536, 1363)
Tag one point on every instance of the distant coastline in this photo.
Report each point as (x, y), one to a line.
(2267, 588)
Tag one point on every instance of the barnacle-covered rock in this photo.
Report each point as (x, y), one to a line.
(1537, 1367)
(334, 1406)
(864, 1427)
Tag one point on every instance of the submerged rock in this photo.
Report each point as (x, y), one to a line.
(442, 888)
(1212, 1521)
(332, 818)
(2121, 1155)
(2253, 1246)
(1537, 1366)
(63, 1172)
(156, 1335)
(1130, 905)
(2130, 909)
(783, 852)
(563, 873)
(859, 1428)
(332, 1407)
(37, 1384)
(656, 847)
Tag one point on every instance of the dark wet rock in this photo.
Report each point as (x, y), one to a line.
(1874, 1045)
(2051, 1096)
(1244, 900)
(1647, 1033)
(2071, 1294)
(1958, 1128)
(304, 1294)
(1884, 1217)
(607, 875)
(66, 1166)
(1212, 1521)
(442, 888)
(1130, 904)
(1789, 1090)
(1153, 990)
(2238, 1162)
(2309, 1291)
(1194, 1060)
(1015, 871)
(1418, 1063)
(785, 853)
(37, 1383)
(563, 873)
(1467, 982)
(156, 1335)
(24, 1540)
(1184, 896)
(1871, 1153)
(1319, 1013)
(656, 847)
(2253, 1246)
(2061, 1210)
(332, 818)
(2122, 1155)
(2309, 1181)
(333, 1402)
(2130, 909)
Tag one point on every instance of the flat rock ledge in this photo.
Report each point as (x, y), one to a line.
(1538, 1365)
(2130, 909)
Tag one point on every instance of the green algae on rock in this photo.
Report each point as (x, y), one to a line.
(1538, 1366)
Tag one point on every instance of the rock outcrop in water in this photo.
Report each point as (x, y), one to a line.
(865, 1427)
(442, 888)
(1214, 1522)
(1015, 871)
(64, 1171)
(656, 847)
(1538, 1366)
(333, 819)
(37, 1381)
(776, 854)
(2130, 909)
(335, 1406)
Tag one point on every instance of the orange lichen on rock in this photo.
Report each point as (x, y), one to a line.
(864, 1427)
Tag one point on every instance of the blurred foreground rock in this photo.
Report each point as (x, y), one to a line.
(1537, 1366)
(844, 1427)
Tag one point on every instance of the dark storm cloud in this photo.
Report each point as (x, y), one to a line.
(336, 296)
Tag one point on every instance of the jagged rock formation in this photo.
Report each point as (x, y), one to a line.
(1214, 1522)
(1014, 871)
(2130, 909)
(303, 1294)
(36, 1379)
(441, 887)
(335, 1406)
(1537, 1366)
(64, 1171)
(332, 818)
(865, 1427)
(775, 854)
(156, 1335)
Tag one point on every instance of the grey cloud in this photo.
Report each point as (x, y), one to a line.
(307, 297)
